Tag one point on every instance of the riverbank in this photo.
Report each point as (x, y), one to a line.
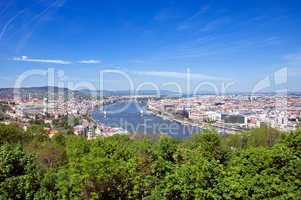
(167, 116)
(221, 128)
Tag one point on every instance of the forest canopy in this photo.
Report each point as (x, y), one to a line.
(257, 164)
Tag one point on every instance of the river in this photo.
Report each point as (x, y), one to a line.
(133, 117)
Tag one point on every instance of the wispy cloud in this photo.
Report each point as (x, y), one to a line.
(294, 58)
(32, 19)
(199, 26)
(188, 22)
(8, 23)
(27, 59)
(271, 41)
(89, 61)
(165, 15)
(138, 61)
(201, 11)
(55, 61)
(180, 75)
(215, 24)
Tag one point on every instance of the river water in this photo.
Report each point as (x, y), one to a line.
(133, 117)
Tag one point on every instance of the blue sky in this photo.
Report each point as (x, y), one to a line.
(235, 42)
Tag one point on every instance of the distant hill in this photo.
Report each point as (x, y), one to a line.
(40, 92)
(34, 92)
(127, 92)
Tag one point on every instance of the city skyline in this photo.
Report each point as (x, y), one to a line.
(240, 43)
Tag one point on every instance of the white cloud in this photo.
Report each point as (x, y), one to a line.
(180, 75)
(27, 59)
(89, 61)
(55, 61)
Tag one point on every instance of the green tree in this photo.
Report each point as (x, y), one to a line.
(190, 181)
(12, 134)
(261, 173)
(19, 176)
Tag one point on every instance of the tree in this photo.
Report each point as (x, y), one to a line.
(12, 134)
(190, 181)
(261, 173)
(209, 144)
(37, 132)
(257, 164)
(19, 176)
(260, 137)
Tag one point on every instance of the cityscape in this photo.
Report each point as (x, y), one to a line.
(228, 114)
(162, 99)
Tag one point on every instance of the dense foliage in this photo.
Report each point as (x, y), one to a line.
(257, 164)
(4, 107)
